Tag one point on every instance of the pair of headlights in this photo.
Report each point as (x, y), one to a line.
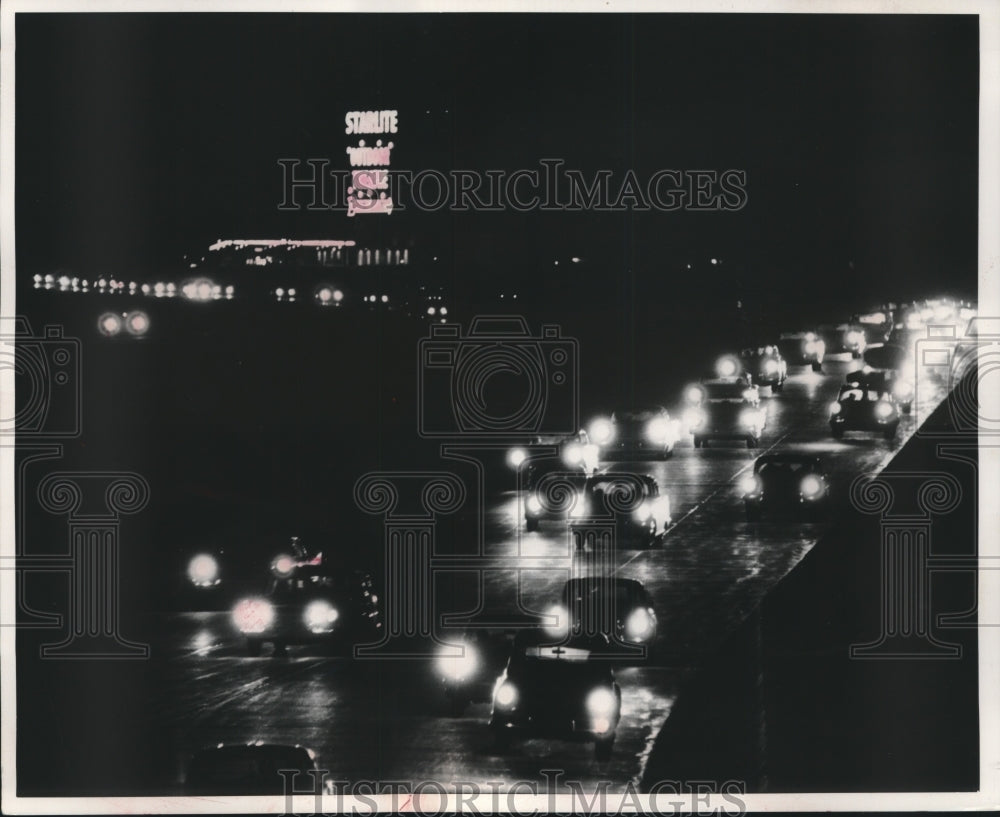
(255, 616)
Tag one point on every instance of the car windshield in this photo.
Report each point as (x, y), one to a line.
(783, 467)
(724, 391)
(612, 485)
(858, 395)
(626, 594)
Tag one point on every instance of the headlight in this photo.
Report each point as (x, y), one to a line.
(771, 366)
(749, 484)
(693, 418)
(458, 667)
(640, 625)
(810, 337)
(283, 566)
(883, 409)
(601, 431)
(203, 570)
(557, 625)
(573, 454)
(643, 512)
(320, 616)
(835, 408)
(658, 430)
(810, 347)
(694, 395)
(811, 486)
(253, 615)
(727, 367)
(516, 456)
(533, 505)
(506, 695)
(749, 418)
(602, 703)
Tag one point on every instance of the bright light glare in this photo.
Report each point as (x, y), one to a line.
(811, 485)
(534, 505)
(458, 667)
(516, 456)
(639, 625)
(253, 615)
(283, 565)
(557, 624)
(320, 616)
(601, 431)
(835, 408)
(506, 695)
(203, 570)
(602, 703)
(726, 367)
(748, 484)
(137, 323)
(883, 409)
(658, 430)
(573, 454)
(771, 366)
(110, 324)
(694, 395)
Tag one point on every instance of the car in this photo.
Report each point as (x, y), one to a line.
(468, 662)
(724, 409)
(547, 453)
(553, 493)
(864, 409)
(558, 688)
(247, 769)
(571, 495)
(635, 434)
(308, 603)
(803, 349)
(618, 608)
(844, 337)
(876, 323)
(884, 380)
(765, 365)
(786, 482)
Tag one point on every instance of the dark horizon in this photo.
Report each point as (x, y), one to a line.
(857, 133)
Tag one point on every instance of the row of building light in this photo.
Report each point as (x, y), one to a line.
(200, 289)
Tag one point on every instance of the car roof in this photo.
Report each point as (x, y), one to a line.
(597, 581)
(614, 476)
(640, 413)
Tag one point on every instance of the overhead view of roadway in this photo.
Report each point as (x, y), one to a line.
(706, 571)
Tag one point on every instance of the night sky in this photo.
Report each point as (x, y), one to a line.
(141, 138)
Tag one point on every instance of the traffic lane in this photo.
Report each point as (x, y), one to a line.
(712, 567)
(357, 715)
(372, 719)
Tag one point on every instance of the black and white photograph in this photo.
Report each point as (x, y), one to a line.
(514, 408)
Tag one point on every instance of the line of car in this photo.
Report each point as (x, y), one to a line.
(552, 675)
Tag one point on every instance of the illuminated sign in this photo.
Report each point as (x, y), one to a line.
(371, 122)
(369, 192)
